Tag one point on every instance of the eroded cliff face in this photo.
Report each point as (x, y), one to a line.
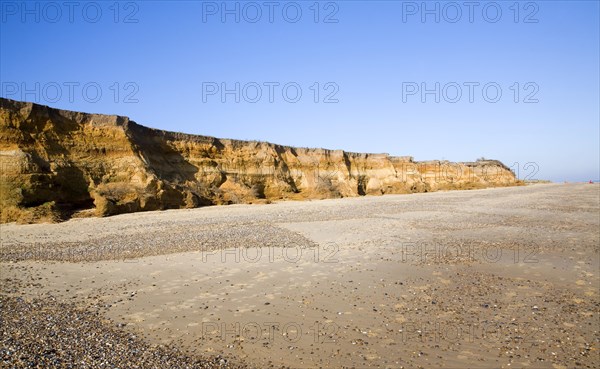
(56, 164)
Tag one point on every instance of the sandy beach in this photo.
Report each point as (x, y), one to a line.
(505, 277)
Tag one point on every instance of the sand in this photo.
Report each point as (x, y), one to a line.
(505, 277)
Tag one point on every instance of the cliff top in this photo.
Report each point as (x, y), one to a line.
(28, 109)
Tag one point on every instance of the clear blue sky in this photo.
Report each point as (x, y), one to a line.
(166, 59)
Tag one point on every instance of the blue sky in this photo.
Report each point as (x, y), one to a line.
(361, 68)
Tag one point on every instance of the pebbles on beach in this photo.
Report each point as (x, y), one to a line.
(44, 333)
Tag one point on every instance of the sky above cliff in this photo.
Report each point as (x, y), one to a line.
(513, 81)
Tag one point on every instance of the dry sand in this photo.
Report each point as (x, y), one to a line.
(505, 277)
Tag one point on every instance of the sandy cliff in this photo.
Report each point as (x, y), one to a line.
(56, 164)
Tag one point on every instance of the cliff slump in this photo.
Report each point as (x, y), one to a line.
(56, 164)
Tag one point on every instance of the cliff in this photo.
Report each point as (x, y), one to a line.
(56, 164)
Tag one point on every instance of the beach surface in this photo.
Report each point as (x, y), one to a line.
(504, 277)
